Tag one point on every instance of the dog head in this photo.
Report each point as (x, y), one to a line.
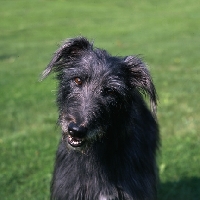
(96, 91)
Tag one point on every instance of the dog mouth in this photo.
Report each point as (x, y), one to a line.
(75, 141)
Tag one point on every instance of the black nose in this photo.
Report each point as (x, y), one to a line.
(76, 130)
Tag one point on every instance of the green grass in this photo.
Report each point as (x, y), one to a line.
(165, 33)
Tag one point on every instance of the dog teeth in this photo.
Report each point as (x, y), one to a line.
(74, 141)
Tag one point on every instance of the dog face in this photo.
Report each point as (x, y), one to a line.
(96, 91)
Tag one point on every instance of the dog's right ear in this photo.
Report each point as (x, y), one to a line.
(70, 50)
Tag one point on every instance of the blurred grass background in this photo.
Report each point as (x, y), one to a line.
(165, 33)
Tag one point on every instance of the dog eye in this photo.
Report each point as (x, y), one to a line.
(109, 91)
(78, 81)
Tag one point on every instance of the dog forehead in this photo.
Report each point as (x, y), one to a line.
(100, 63)
(103, 71)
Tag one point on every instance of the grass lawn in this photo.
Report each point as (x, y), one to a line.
(165, 33)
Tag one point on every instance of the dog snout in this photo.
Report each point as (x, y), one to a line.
(76, 130)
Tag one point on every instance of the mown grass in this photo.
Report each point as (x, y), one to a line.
(165, 33)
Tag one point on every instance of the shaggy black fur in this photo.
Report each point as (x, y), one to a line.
(109, 137)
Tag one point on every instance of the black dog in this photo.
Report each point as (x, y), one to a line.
(109, 137)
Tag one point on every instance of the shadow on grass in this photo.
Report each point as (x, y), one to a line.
(8, 57)
(185, 189)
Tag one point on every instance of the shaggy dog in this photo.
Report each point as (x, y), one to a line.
(109, 136)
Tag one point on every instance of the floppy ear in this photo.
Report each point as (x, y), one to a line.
(70, 49)
(140, 78)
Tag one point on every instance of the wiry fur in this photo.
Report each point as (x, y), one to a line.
(118, 157)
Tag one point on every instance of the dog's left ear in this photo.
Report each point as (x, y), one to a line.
(140, 79)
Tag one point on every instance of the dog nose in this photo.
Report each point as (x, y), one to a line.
(76, 130)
